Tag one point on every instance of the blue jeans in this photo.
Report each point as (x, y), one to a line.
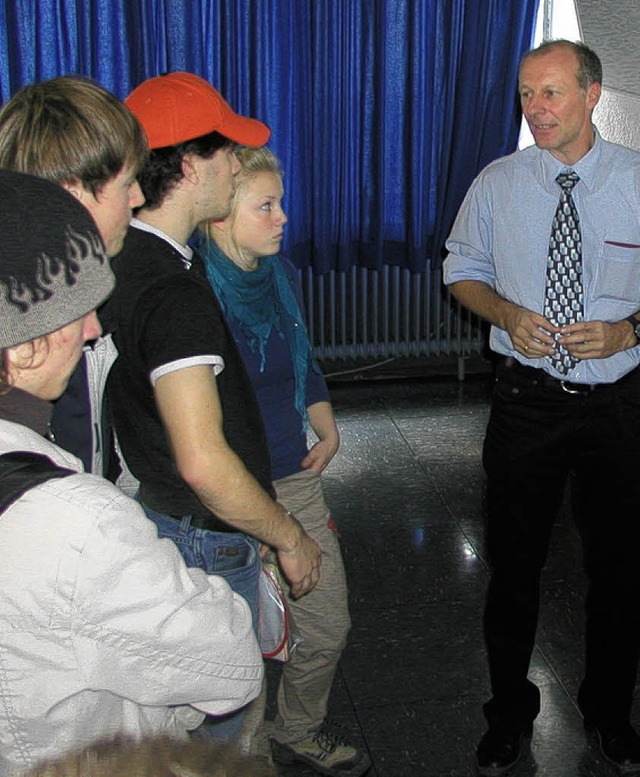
(231, 555)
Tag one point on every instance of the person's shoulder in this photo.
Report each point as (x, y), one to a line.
(496, 180)
(288, 266)
(139, 247)
(290, 270)
(136, 240)
(615, 153)
(150, 272)
(89, 494)
(94, 496)
(189, 294)
(18, 437)
(508, 164)
(75, 502)
(89, 509)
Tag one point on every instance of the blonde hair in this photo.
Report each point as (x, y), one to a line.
(257, 160)
(253, 161)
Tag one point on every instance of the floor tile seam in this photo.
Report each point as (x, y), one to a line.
(479, 552)
(354, 711)
(458, 525)
(557, 679)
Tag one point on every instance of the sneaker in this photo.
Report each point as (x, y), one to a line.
(325, 751)
(500, 750)
(265, 765)
(260, 751)
(620, 745)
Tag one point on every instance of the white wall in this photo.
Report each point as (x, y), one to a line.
(612, 28)
(617, 116)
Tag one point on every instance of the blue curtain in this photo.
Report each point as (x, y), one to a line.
(382, 111)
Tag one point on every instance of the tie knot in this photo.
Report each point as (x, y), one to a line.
(567, 180)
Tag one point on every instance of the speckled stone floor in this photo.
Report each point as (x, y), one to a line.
(406, 490)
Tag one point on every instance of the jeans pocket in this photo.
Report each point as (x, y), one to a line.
(222, 557)
(232, 559)
(237, 562)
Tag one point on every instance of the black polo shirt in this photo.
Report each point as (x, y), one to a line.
(160, 313)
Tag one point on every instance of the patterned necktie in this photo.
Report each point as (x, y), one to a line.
(563, 299)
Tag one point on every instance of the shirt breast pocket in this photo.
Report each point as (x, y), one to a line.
(618, 275)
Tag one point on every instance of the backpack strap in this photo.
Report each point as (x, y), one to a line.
(22, 470)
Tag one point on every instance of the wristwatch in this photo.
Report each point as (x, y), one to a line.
(636, 326)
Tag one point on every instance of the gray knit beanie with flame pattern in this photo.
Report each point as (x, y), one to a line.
(53, 265)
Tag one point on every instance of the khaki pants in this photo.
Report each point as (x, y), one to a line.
(321, 617)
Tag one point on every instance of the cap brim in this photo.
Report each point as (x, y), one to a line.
(245, 131)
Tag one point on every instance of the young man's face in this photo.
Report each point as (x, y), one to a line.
(44, 368)
(65, 350)
(217, 183)
(112, 207)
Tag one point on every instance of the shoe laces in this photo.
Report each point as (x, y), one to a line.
(328, 738)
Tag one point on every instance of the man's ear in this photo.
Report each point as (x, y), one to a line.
(190, 168)
(75, 188)
(594, 91)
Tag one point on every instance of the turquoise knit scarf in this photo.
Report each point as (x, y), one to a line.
(261, 300)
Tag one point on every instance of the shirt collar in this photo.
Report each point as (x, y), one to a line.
(186, 253)
(587, 167)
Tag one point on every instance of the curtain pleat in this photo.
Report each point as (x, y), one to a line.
(382, 111)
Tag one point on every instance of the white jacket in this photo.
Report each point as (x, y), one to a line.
(103, 629)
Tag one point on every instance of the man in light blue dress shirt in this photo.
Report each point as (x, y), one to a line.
(548, 426)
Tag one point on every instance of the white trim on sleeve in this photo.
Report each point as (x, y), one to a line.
(217, 362)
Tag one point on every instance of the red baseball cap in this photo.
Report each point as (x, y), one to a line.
(176, 107)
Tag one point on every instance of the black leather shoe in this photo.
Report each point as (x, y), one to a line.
(620, 745)
(500, 750)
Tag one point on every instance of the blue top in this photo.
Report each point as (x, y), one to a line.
(501, 238)
(270, 362)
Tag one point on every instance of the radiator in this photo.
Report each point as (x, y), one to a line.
(369, 315)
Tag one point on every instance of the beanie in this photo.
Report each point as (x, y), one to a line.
(53, 265)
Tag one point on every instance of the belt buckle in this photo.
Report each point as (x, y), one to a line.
(564, 385)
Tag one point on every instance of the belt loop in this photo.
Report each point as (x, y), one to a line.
(185, 524)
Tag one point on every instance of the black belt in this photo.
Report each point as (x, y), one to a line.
(540, 377)
(205, 520)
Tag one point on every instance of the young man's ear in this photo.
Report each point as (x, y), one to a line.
(75, 188)
(190, 168)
